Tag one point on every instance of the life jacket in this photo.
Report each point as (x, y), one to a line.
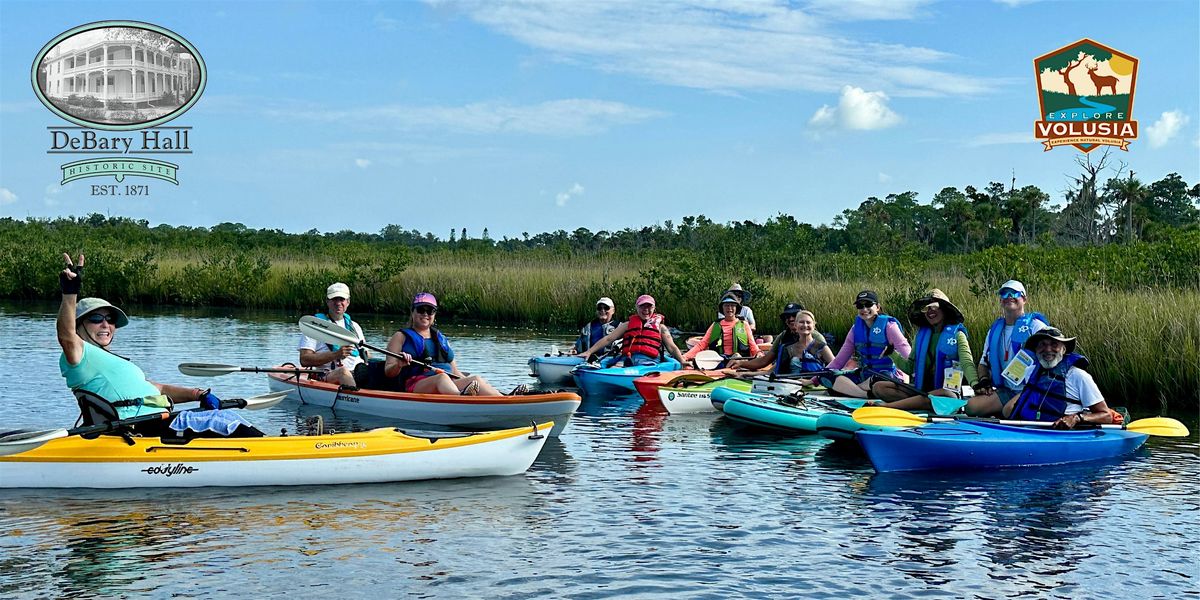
(786, 364)
(587, 335)
(642, 337)
(741, 339)
(345, 323)
(869, 346)
(437, 352)
(1022, 329)
(945, 355)
(1045, 396)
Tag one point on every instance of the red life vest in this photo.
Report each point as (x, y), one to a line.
(642, 337)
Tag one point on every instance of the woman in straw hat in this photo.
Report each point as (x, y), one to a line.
(941, 360)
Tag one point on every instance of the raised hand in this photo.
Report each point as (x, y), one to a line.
(70, 278)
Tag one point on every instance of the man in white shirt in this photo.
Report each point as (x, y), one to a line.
(339, 361)
(1059, 389)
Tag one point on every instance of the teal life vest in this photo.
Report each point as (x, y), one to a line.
(345, 323)
(945, 355)
(741, 339)
(1022, 329)
(869, 346)
(1045, 396)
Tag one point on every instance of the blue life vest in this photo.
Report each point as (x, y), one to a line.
(438, 353)
(786, 364)
(345, 323)
(1022, 329)
(869, 346)
(594, 332)
(944, 356)
(1045, 396)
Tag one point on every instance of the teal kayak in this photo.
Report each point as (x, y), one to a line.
(768, 412)
(965, 444)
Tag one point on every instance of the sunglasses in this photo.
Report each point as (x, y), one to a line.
(931, 308)
(425, 310)
(861, 305)
(96, 319)
(1010, 294)
(603, 307)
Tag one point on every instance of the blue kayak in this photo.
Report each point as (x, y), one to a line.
(982, 445)
(554, 370)
(616, 381)
(767, 412)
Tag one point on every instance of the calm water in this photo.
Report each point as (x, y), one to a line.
(628, 502)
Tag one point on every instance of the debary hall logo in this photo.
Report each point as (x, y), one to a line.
(119, 82)
(1085, 91)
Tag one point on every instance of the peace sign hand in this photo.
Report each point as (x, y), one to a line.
(70, 279)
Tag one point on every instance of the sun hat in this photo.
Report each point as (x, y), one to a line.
(1050, 333)
(916, 311)
(90, 305)
(866, 295)
(605, 301)
(741, 293)
(1014, 285)
(644, 299)
(730, 299)
(424, 299)
(337, 290)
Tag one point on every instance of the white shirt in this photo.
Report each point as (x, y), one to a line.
(349, 362)
(1081, 386)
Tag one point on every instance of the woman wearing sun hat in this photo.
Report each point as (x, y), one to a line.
(431, 347)
(870, 341)
(86, 331)
(643, 337)
(941, 361)
(730, 337)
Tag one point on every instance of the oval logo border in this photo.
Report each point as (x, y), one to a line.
(200, 66)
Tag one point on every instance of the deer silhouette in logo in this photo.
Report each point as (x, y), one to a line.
(1102, 81)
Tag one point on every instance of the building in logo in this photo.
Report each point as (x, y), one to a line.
(1085, 92)
(118, 75)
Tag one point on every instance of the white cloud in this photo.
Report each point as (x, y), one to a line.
(386, 23)
(362, 163)
(856, 109)
(562, 198)
(1166, 127)
(884, 178)
(1016, 3)
(995, 139)
(556, 117)
(728, 47)
(7, 196)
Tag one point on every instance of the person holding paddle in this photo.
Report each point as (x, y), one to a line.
(339, 361)
(439, 374)
(942, 359)
(800, 348)
(110, 387)
(872, 338)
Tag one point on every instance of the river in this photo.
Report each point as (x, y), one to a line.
(628, 502)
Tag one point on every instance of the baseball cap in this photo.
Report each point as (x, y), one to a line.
(605, 301)
(424, 299)
(644, 299)
(866, 295)
(337, 290)
(1014, 285)
(791, 309)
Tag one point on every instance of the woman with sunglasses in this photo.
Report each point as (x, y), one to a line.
(1005, 340)
(430, 346)
(86, 330)
(731, 336)
(871, 340)
(604, 324)
(800, 348)
(941, 361)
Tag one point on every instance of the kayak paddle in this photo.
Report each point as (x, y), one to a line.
(881, 416)
(329, 333)
(15, 443)
(215, 370)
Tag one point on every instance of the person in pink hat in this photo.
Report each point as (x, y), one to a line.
(644, 337)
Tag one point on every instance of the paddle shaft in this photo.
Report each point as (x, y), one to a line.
(317, 329)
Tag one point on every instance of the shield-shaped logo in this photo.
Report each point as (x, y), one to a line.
(1085, 92)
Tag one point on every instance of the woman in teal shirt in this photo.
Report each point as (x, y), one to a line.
(85, 331)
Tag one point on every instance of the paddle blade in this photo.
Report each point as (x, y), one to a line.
(945, 405)
(1164, 426)
(326, 332)
(16, 443)
(708, 359)
(882, 416)
(264, 400)
(207, 369)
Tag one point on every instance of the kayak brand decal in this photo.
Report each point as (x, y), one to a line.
(1085, 97)
(334, 445)
(169, 470)
(118, 83)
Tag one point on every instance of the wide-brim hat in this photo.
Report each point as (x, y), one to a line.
(1049, 333)
(88, 306)
(916, 311)
(730, 299)
(736, 289)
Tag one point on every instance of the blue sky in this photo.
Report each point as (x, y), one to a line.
(542, 115)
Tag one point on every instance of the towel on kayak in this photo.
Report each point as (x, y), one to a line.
(224, 422)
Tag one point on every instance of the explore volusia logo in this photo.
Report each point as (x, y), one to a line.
(119, 82)
(1085, 91)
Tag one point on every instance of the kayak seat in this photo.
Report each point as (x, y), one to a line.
(93, 409)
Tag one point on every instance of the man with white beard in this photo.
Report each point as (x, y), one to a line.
(1059, 389)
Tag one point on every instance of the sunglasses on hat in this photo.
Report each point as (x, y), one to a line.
(97, 318)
